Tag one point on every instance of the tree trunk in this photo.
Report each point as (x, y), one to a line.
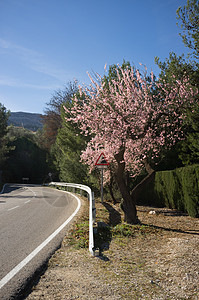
(128, 204)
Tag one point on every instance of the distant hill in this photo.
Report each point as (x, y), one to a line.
(31, 121)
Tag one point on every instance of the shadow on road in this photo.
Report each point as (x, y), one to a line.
(10, 188)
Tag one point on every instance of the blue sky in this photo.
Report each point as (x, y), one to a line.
(46, 43)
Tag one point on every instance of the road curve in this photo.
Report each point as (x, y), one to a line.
(33, 221)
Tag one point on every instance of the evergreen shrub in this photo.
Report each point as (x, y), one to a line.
(176, 189)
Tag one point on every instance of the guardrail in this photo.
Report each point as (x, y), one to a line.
(91, 208)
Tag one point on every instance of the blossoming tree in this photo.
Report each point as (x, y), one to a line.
(130, 119)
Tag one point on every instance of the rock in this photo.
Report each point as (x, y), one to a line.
(152, 212)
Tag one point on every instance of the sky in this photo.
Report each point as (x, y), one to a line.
(44, 44)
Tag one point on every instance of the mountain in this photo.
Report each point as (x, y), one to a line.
(31, 121)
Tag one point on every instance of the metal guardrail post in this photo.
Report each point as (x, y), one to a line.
(92, 210)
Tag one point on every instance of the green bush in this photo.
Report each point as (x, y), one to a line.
(176, 189)
(190, 189)
(168, 188)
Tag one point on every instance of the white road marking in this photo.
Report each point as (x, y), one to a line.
(13, 207)
(27, 201)
(33, 192)
(56, 200)
(24, 262)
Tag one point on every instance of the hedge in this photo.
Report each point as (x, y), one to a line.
(176, 189)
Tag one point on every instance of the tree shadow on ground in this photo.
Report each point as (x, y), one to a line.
(102, 239)
(114, 215)
(103, 234)
(191, 231)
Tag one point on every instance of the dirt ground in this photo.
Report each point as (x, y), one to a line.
(163, 264)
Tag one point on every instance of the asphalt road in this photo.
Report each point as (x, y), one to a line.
(33, 221)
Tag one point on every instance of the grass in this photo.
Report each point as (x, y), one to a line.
(103, 231)
(79, 233)
(128, 230)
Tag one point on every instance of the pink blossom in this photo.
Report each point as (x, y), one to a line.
(128, 115)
